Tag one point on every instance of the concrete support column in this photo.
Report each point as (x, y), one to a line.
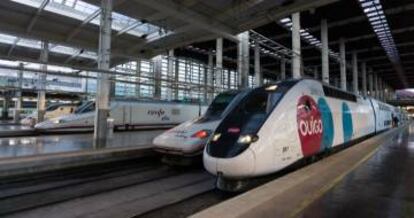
(379, 95)
(336, 82)
(355, 73)
(283, 68)
(210, 78)
(296, 47)
(243, 61)
(315, 72)
(325, 51)
(342, 52)
(157, 60)
(219, 64)
(41, 94)
(5, 110)
(371, 84)
(137, 79)
(104, 84)
(18, 104)
(170, 73)
(258, 74)
(364, 78)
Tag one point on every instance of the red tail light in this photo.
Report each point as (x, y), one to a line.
(201, 134)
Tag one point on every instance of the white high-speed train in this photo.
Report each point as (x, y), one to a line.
(126, 115)
(277, 125)
(189, 138)
(52, 111)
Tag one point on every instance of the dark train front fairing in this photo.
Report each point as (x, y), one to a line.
(239, 128)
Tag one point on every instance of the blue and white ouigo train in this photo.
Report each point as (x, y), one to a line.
(185, 142)
(275, 126)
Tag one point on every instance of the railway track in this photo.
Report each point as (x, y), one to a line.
(122, 189)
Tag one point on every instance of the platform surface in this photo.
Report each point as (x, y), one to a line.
(45, 144)
(381, 187)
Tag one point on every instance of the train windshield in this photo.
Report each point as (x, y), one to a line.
(246, 119)
(219, 104)
(52, 107)
(86, 107)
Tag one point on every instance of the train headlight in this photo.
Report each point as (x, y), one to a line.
(202, 134)
(57, 121)
(216, 137)
(247, 139)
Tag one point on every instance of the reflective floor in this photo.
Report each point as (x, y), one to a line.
(13, 127)
(24, 146)
(381, 187)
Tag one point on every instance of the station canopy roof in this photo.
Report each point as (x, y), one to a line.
(380, 31)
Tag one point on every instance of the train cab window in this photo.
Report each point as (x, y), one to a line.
(52, 107)
(86, 107)
(256, 104)
(90, 108)
(219, 104)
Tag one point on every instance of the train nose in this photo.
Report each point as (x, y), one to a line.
(240, 166)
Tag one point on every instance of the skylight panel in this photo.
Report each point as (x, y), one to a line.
(373, 10)
(81, 10)
(305, 35)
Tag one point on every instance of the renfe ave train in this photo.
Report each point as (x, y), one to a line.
(126, 115)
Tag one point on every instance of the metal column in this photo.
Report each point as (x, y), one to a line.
(176, 86)
(283, 68)
(41, 95)
(210, 78)
(171, 75)
(104, 84)
(258, 74)
(342, 63)
(325, 51)
(243, 60)
(219, 64)
(364, 78)
(355, 72)
(157, 60)
(296, 48)
(138, 78)
(18, 104)
(371, 83)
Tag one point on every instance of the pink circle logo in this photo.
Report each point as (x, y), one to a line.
(310, 127)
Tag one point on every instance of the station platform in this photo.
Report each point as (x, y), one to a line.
(374, 178)
(381, 187)
(14, 130)
(20, 155)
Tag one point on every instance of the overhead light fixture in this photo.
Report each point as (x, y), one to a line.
(375, 14)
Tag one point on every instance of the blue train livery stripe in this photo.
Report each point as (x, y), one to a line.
(328, 124)
(347, 125)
